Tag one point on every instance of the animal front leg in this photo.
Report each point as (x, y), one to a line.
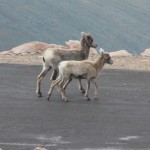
(50, 91)
(96, 89)
(63, 86)
(87, 89)
(62, 91)
(54, 74)
(53, 84)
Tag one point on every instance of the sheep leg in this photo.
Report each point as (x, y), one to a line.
(96, 89)
(87, 89)
(79, 83)
(39, 79)
(62, 91)
(61, 83)
(80, 86)
(54, 74)
(53, 84)
(66, 83)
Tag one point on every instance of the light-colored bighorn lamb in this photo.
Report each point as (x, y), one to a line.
(85, 69)
(52, 57)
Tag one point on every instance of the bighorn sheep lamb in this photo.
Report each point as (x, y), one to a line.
(52, 57)
(85, 69)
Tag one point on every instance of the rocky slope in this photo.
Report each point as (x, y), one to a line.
(31, 54)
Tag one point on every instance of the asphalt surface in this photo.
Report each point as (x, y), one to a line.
(119, 120)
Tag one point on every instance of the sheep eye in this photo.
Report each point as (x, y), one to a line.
(108, 58)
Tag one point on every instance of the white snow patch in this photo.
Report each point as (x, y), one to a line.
(25, 144)
(128, 138)
(55, 139)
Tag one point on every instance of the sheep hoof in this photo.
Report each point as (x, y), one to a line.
(88, 99)
(65, 100)
(48, 98)
(39, 94)
(95, 98)
(83, 91)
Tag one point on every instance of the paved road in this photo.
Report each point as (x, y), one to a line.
(120, 119)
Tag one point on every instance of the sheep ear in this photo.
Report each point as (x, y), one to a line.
(83, 34)
(101, 51)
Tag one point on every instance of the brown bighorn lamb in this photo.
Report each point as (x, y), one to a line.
(52, 57)
(85, 69)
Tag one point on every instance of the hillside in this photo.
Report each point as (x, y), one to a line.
(115, 24)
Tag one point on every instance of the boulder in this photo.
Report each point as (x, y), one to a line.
(121, 53)
(146, 53)
(73, 44)
(34, 47)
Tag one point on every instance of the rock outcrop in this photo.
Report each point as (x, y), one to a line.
(146, 53)
(121, 53)
(34, 47)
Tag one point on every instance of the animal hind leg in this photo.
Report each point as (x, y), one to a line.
(39, 79)
(66, 83)
(63, 86)
(87, 89)
(80, 86)
(96, 89)
(54, 74)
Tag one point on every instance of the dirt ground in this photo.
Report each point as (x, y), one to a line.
(120, 62)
